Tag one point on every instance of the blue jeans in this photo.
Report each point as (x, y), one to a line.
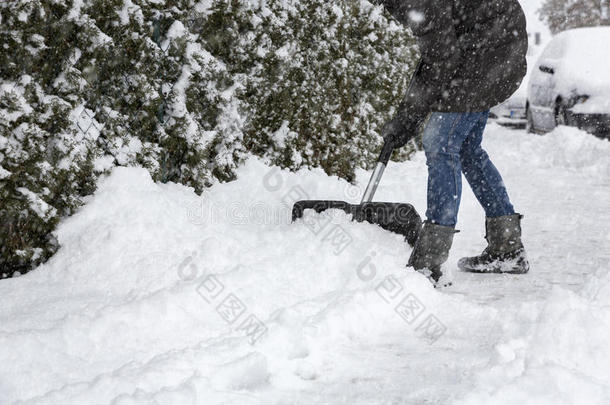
(452, 142)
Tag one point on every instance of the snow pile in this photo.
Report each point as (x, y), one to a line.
(564, 356)
(137, 303)
(162, 296)
(565, 148)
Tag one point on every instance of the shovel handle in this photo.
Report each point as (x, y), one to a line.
(386, 152)
(384, 158)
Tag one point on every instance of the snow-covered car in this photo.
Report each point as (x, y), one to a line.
(511, 113)
(570, 83)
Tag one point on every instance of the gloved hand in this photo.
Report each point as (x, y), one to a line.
(402, 128)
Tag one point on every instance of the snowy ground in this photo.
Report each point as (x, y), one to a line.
(156, 294)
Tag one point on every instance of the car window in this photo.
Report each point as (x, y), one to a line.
(555, 49)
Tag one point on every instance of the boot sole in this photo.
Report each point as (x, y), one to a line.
(494, 271)
(519, 266)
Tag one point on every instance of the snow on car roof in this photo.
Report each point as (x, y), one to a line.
(584, 65)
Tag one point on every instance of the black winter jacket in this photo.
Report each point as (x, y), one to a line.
(473, 52)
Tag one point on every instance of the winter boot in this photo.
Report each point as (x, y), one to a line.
(504, 252)
(431, 251)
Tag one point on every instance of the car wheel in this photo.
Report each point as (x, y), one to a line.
(561, 115)
(529, 126)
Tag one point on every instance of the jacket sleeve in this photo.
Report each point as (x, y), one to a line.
(431, 21)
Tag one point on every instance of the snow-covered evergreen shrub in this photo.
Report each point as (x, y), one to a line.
(321, 77)
(46, 162)
(186, 89)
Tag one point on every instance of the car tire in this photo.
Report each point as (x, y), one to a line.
(561, 115)
(529, 125)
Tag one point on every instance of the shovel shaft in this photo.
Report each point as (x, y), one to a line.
(386, 153)
(369, 193)
(383, 160)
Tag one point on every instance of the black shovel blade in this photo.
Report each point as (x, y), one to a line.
(398, 218)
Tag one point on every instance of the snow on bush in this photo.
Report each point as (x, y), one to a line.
(184, 89)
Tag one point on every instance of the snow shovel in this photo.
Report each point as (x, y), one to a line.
(400, 218)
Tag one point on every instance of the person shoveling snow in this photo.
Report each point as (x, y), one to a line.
(472, 58)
